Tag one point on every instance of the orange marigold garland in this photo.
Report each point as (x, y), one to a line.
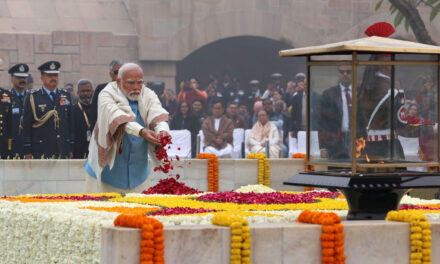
(332, 238)
(263, 167)
(306, 167)
(212, 170)
(152, 243)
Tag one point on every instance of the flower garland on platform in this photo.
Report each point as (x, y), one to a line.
(263, 167)
(420, 234)
(124, 210)
(212, 170)
(306, 167)
(152, 243)
(190, 202)
(240, 236)
(332, 238)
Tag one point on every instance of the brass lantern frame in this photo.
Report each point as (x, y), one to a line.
(369, 45)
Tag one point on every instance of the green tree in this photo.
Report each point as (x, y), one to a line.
(406, 11)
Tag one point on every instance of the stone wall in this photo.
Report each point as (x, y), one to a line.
(81, 54)
(86, 34)
(365, 242)
(68, 176)
(171, 30)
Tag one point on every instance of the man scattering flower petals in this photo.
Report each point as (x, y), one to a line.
(130, 123)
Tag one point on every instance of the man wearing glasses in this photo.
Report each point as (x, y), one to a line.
(114, 68)
(130, 122)
(335, 136)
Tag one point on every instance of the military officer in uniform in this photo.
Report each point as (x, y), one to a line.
(5, 123)
(47, 118)
(19, 76)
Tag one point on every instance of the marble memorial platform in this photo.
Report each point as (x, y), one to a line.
(68, 176)
(365, 242)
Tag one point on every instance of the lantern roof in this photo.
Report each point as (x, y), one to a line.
(372, 44)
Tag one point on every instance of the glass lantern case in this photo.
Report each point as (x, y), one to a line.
(371, 118)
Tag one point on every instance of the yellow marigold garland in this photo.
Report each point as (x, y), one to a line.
(190, 202)
(152, 243)
(212, 170)
(332, 238)
(263, 167)
(420, 234)
(240, 236)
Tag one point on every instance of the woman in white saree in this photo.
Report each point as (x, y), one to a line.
(264, 130)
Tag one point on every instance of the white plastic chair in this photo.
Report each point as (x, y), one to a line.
(314, 143)
(181, 139)
(293, 145)
(410, 147)
(202, 141)
(247, 133)
(238, 138)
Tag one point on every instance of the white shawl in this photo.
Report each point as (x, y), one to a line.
(114, 112)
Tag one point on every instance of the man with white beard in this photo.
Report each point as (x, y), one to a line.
(81, 112)
(130, 122)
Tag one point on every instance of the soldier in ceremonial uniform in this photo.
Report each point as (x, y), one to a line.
(374, 100)
(47, 118)
(5, 123)
(19, 76)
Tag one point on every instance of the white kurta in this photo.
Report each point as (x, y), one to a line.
(115, 117)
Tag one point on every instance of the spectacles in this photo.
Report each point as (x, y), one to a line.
(345, 71)
(138, 82)
(116, 72)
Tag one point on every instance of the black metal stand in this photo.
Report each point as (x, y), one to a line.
(369, 197)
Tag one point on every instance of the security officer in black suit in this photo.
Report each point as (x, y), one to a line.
(5, 123)
(81, 113)
(19, 75)
(47, 118)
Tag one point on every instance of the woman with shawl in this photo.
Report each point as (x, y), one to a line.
(262, 132)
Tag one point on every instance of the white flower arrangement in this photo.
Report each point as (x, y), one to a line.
(256, 188)
(61, 232)
(50, 233)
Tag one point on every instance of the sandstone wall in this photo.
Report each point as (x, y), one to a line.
(86, 34)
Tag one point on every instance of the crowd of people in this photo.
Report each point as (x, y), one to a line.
(58, 123)
(226, 104)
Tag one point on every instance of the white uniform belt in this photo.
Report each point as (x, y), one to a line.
(379, 135)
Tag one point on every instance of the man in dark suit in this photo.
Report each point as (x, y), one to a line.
(81, 119)
(114, 69)
(19, 76)
(5, 123)
(47, 120)
(298, 119)
(334, 134)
